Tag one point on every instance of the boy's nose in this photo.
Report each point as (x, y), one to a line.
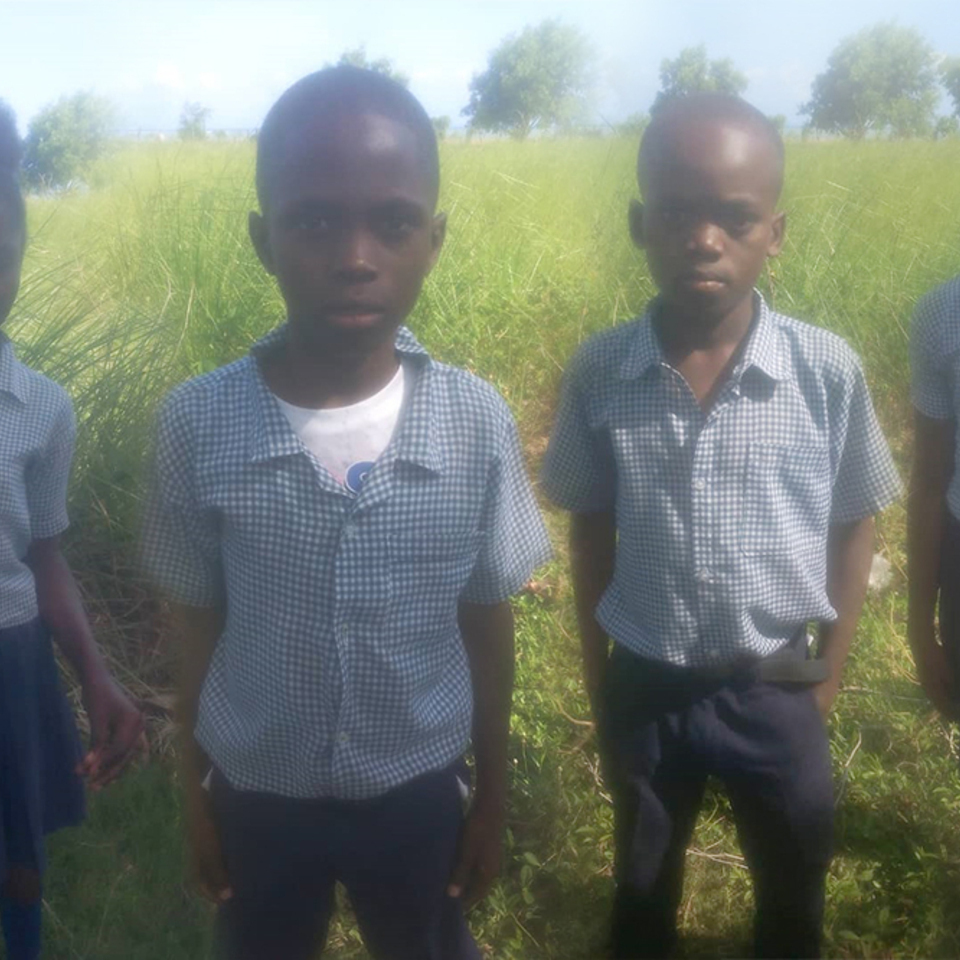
(705, 238)
(355, 257)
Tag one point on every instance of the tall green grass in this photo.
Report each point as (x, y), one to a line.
(149, 278)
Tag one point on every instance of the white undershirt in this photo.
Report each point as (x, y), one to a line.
(348, 440)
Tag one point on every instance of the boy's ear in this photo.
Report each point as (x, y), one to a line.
(438, 233)
(259, 237)
(635, 222)
(778, 230)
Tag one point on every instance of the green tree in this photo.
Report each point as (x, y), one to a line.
(633, 125)
(193, 122)
(881, 79)
(536, 79)
(946, 128)
(66, 138)
(693, 72)
(357, 57)
(950, 78)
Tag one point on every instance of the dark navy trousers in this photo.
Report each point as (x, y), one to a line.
(394, 854)
(663, 730)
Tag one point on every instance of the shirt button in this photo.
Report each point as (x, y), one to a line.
(704, 576)
(343, 738)
(699, 484)
(349, 533)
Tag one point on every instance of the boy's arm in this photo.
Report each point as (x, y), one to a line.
(198, 630)
(849, 555)
(116, 726)
(593, 543)
(487, 631)
(926, 506)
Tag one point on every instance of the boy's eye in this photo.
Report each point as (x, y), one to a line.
(737, 224)
(674, 216)
(396, 225)
(312, 223)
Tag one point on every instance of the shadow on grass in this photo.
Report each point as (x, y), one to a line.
(896, 880)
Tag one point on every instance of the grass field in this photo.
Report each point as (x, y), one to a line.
(148, 278)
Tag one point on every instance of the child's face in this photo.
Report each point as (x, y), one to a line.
(350, 231)
(708, 220)
(11, 258)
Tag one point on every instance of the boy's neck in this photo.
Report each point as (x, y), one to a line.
(320, 378)
(704, 352)
(682, 333)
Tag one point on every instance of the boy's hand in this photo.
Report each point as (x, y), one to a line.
(116, 731)
(825, 693)
(478, 862)
(209, 871)
(936, 678)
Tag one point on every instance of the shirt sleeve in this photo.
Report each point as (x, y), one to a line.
(866, 479)
(578, 472)
(931, 388)
(181, 541)
(49, 475)
(514, 539)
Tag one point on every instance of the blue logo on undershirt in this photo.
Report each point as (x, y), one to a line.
(357, 474)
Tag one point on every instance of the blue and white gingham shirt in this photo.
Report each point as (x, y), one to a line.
(36, 448)
(722, 517)
(340, 671)
(935, 366)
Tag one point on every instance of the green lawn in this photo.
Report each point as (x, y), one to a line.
(148, 278)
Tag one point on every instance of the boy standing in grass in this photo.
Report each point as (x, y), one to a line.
(722, 463)
(933, 542)
(341, 521)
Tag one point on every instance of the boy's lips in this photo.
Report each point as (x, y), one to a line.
(353, 313)
(702, 281)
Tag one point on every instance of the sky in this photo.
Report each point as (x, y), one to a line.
(235, 57)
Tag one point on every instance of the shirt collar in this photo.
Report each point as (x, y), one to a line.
(11, 372)
(417, 440)
(763, 349)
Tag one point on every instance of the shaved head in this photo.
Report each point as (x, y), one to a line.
(700, 110)
(328, 96)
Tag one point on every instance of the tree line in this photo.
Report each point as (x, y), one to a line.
(885, 80)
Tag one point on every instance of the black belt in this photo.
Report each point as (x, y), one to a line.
(789, 664)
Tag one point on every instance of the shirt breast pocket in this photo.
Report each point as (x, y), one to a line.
(786, 500)
(429, 572)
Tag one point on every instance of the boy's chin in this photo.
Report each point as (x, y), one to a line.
(707, 307)
(349, 331)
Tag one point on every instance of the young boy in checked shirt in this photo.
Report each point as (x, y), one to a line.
(341, 521)
(722, 464)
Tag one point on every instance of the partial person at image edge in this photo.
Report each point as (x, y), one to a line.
(933, 514)
(42, 763)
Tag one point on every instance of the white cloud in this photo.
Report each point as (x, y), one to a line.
(210, 81)
(169, 75)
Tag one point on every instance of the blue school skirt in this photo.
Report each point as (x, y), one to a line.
(40, 748)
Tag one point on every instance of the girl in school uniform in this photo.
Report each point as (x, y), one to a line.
(42, 764)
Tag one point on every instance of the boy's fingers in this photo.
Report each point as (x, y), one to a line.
(215, 893)
(461, 872)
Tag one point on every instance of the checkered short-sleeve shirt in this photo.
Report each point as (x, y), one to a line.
(36, 449)
(935, 365)
(722, 517)
(340, 671)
